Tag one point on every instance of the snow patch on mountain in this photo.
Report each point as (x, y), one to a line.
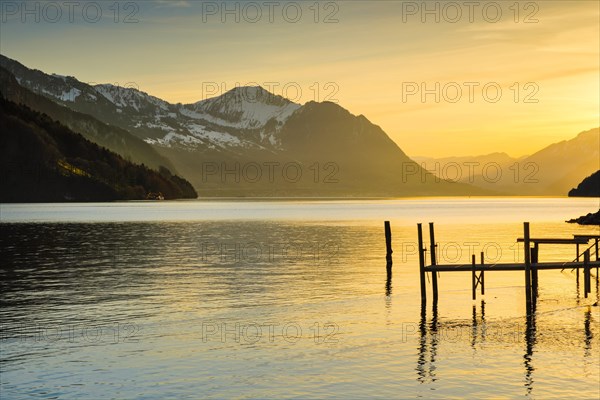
(129, 97)
(71, 95)
(220, 138)
(199, 135)
(250, 107)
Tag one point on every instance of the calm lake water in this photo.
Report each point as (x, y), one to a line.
(287, 299)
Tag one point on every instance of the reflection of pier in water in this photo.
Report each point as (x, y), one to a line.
(433, 333)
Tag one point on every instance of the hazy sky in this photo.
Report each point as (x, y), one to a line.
(508, 76)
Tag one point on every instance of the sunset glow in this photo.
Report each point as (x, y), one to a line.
(544, 58)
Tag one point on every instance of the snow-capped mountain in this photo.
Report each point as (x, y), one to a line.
(248, 107)
(242, 118)
(124, 98)
(111, 137)
(332, 152)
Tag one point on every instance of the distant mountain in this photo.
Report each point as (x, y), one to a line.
(551, 171)
(562, 165)
(44, 161)
(589, 187)
(467, 169)
(431, 163)
(250, 142)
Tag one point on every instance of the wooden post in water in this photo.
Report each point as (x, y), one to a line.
(597, 268)
(481, 276)
(597, 259)
(432, 251)
(422, 265)
(473, 278)
(587, 287)
(388, 245)
(534, 271)
(527, 265)
(577, 249)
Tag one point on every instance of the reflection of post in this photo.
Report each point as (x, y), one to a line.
(474, 328)
(577, 286)
(422, 345)
(478, 325)
(388, 284)
(434, 341)
(483, 311)
(587, 326)
(483, 326)
(530, 339)
(430, 332)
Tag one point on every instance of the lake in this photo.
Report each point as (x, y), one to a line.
(288, 299)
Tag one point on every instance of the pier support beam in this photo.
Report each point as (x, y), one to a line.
(577, 259)
(482, 276)
(587, 284)
(527, 253)
(473, 278)
(534, 271)
(422, 264)
(388, 245)
(432, 251)
(477, 280)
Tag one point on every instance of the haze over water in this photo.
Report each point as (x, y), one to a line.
(254, 299)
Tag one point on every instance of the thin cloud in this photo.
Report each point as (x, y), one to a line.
(172, 3)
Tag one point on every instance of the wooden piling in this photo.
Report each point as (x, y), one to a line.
(432, 251)
(482, 276)
(597, 259)
(388, 245)
(527, 265)
(587, 287)
(422, 264)
(534, 271)
(473, 278)
(577, 259)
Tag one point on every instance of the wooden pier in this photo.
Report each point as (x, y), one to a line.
(530, 265)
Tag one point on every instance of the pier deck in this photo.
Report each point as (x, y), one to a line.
(507, 266)
(530, 265)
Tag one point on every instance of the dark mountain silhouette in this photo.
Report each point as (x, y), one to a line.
(44, 161)
(113, 138)
(589, 187)
(588, 219)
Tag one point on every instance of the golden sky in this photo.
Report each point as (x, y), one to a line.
(374, 58)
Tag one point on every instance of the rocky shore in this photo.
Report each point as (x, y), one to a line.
(589, 219)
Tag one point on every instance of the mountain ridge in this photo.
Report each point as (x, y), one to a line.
(42, 161)
(248, 126)
(113, 138)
